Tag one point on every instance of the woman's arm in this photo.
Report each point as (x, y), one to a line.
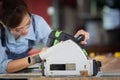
(17, 65)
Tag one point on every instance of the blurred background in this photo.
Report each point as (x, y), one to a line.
(101, 18)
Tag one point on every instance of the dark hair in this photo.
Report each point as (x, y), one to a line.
(12, 12)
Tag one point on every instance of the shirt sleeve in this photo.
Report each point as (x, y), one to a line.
(3, 60)
(42, 29)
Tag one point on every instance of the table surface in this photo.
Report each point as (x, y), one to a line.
(39, 75)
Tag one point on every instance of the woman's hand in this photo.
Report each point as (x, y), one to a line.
(43, 49)
(86, 34)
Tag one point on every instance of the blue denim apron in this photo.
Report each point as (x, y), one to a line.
(14, 56)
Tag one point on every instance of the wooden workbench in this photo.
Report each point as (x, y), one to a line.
(83, 78)
(31, 76)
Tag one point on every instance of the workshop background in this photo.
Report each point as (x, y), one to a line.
(101, 18)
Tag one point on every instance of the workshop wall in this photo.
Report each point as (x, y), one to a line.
(91, 15)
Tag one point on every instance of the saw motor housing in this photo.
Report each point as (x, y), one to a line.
(66, 57)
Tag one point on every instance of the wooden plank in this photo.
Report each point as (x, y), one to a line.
(84, 78)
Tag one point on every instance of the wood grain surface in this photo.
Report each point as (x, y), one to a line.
(75, 78)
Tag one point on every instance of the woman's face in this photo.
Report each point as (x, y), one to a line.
(22, 29)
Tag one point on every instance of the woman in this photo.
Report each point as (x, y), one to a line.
(20, 33)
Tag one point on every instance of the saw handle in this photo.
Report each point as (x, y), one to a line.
(57, 36)
(80, 38)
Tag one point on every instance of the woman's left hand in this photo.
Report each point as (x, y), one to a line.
(86, 34)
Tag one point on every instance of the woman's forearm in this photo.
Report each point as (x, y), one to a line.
(17, 65)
